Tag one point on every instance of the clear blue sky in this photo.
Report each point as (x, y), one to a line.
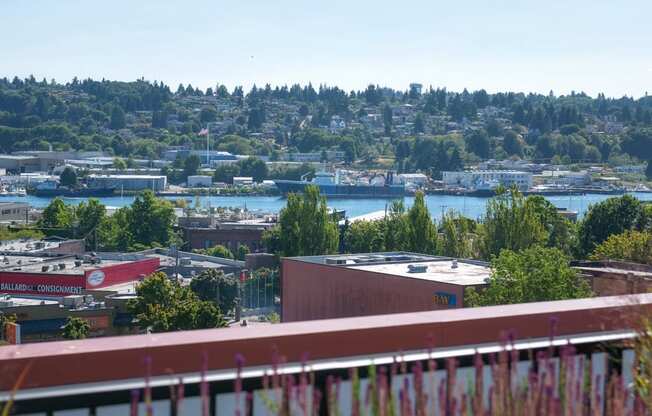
(518, 45)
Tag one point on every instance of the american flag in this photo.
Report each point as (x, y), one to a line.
(203, 132)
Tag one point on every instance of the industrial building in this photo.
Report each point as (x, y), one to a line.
(35, 275)
(205, 232)
(195, 181)
(49, 246)
(156, 183)
(338, 286)
(481, 179)
(14, 212)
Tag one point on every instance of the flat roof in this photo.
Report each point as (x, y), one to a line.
(464, 274)
(398, 263)
(30, 245)
(24, 301)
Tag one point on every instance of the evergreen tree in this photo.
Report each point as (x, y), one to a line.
(422, 232)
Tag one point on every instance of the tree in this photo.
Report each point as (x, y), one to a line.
(419, 124)
(396, 228)
(90, 215)
(150, 221)
(191, 166)
(225, 172)
(457, 239)
(478, 142)
(510, 224)
(207, 115)
(535, 274)
(119, 164)
(306, 226)
(242, 251)
(220, 251)
(68, 177)
(213, 285)
(117, 118)
(422, 233)
(609, 217)
(254, 167)
(164, 305)
(364, 237)
(75, 328)
(512, 144)
(634, 246)
(57, 218)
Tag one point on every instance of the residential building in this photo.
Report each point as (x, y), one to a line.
(338, 286)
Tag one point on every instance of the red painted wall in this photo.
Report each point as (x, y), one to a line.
(124, 272)
(55, 284)
(314, 291)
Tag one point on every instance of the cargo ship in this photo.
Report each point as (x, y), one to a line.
(329, 185)
(53, 189)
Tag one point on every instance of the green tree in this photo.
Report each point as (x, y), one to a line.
(535, 274)
(75, 328)
(254, 167)
(365, 237)
(68, 177)
(306, 226)
(117, 118)
(90, 215)
(422, 233)
(57, 219)
(119, 164)
(634, 246)
(225, 172)
(150, 221)
(457, 236)
(191, 166)
(242, 251)
(609, 217)
(220, 251)
(396, 228)
(510, 223)
(164, 305)
(214, 286)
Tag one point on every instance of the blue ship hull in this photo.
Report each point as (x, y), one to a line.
(343, 191)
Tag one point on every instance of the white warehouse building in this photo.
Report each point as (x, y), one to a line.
(128, 182)
(484, 179)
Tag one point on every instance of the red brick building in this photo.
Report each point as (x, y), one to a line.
(338, 286)
(228, 234)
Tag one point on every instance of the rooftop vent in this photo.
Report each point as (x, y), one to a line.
(335, 260)
(417, 268)
(45, 268)
(78, 263)
(185, 261)
(62, 266)
(454, 264)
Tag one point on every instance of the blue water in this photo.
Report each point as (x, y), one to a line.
(473, 207)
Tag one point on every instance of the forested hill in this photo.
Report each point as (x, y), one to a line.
(427, 129)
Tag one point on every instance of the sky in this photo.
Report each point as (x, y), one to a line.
(510, 45)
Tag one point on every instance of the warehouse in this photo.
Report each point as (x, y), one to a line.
(338, 286)
(69, 275)
(156, 183)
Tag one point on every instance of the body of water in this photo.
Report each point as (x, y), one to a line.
(473, 207)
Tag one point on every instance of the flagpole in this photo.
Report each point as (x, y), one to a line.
(208, 141)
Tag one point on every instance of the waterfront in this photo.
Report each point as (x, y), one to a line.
(473, 207)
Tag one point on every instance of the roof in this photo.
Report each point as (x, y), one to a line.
(127, 176)
(444, 271)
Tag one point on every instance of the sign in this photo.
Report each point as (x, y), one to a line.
(49, 289)
(12, 333)
(445, 299)
(95, 278)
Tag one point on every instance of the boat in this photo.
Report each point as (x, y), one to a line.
(13, 191)
(52, 188)
(330, 185)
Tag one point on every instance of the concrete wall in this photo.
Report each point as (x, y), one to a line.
(314, 291)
